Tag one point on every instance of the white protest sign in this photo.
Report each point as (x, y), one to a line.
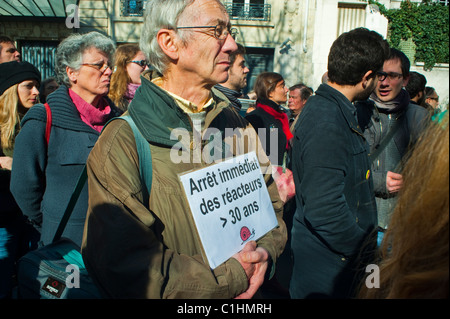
(230, 205)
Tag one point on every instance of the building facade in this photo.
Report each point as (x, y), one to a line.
(291, 37)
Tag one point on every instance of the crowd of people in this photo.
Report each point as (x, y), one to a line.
(356, 170)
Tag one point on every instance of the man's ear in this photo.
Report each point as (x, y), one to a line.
(405, 81)
(168, 42)
(420, 94)
(366, 78)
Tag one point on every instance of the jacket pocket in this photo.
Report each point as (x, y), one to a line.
(362, 173)
(362, 166)
(358, 147)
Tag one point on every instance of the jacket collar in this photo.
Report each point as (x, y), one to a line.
(347, 108)
(396, 105)
(269, 103)
(64, 112)
(157, 115)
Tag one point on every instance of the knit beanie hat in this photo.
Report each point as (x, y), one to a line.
(15, 72)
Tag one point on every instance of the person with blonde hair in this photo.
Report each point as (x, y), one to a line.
(19, 82)
(130, 62)
(414, 255)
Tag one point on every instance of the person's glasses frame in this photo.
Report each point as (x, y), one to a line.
(391, 75)
(100, 66)
(142, 63)
(221, 31)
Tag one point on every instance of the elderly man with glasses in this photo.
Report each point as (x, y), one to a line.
(132, 251)
(391, 125)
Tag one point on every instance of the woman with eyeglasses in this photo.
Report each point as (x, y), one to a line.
(431, 100)
(44, 173)
(130, 62)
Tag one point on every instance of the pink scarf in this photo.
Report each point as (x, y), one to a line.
(131, 90)
(95, 117)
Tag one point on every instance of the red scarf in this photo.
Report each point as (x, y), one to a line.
(281, 116)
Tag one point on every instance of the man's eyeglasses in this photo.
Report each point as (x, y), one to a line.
(100, 66)
(141, 63)
(391, 75)
(221, 31)
(381, 75)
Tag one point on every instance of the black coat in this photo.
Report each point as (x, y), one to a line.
(336, 209)
(266, 126)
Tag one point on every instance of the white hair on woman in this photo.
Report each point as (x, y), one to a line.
(70, 52)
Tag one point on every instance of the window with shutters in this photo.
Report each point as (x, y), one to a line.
(350, 16)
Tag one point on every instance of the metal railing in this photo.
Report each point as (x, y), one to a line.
(41, 54)
(250, 11)
(243, 11)
(442, 2)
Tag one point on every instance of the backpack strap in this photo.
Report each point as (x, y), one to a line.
(145, 157)
(72, 201)
(48, 125)
(78, 187)
(144, 154)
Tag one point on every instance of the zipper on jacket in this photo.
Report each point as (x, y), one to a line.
(381, 132)
(356, 131)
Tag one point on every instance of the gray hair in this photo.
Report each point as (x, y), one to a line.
(70, 52)
(159, 14)
(305, 91)
(163, 14)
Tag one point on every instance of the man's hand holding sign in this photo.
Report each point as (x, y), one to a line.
(255, 261)
(231, 208)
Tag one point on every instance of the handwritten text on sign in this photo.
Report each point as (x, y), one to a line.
(230, 205)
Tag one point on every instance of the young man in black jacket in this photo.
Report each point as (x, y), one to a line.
(237, 78)
(334, 192)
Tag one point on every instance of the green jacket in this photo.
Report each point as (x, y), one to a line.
(132, 252)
